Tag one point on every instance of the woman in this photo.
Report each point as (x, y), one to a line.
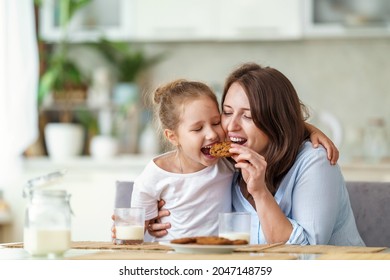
(294, 194)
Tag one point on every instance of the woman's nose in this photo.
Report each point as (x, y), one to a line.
(232, 124)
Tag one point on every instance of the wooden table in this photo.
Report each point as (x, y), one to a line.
(154, 251)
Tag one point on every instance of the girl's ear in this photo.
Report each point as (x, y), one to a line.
(171, 136)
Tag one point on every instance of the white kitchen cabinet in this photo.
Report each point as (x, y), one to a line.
(175, 20)
(218, 20)
(348, 18)
(112, 19)
(259, 19)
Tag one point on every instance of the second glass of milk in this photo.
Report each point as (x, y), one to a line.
(235, 225)
(129, 225)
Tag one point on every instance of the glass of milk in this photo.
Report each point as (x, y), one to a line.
(129, 225)
(235, 225)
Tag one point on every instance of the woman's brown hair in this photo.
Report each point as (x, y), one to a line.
(277, 111)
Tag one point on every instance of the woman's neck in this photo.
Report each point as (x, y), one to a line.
(245, 193)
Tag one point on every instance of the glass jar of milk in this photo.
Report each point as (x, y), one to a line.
(47, 227)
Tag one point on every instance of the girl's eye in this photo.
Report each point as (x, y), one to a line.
(217, 123)
(196, 129)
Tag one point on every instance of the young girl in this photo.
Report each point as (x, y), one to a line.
(194, 184)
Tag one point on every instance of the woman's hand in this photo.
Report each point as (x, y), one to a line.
(155, 227)
(253, 167)
(317, 137)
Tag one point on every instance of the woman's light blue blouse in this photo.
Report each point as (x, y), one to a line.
(314, 198)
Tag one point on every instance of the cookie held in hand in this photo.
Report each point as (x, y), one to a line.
(221, 149)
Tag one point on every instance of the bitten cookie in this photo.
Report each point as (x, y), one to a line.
(221, 149)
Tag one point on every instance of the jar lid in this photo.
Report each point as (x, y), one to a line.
(43, 181)
(52, 193)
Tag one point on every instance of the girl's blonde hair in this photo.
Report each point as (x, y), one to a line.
(170, 99)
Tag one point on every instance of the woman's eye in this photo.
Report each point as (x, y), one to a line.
(226, 113)
(217, 123)
(248, 117)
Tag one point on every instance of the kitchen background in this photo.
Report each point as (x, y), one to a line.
(336, 53)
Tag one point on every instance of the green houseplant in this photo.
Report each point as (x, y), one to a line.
(128, 64)
(61, 76)
(63, 80)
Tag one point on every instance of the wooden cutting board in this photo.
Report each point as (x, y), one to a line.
(258, 248)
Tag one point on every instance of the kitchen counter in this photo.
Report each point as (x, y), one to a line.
(129, 166)
(363, 171)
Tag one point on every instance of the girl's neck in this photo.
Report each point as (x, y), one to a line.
(180, 165)
(185, 165)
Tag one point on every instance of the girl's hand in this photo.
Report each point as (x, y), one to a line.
(155, 227)
(317, 137)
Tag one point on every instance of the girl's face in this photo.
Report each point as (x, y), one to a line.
(237, 120)
(199, 128)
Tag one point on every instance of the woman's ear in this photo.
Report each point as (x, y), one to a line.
(171, 136)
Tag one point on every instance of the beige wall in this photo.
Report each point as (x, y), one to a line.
(349, 78)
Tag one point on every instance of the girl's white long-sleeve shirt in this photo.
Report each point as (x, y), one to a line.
(194, 200)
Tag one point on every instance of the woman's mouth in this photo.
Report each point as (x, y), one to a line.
(238, 140)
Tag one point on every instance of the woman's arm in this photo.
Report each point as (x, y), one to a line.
(311, 199)
(318, 137)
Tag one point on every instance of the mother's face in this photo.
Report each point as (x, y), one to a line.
(237, 120)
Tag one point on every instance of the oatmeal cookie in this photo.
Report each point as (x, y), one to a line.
(213, 240)
(221, 149)
(239, 242)
(184, 240)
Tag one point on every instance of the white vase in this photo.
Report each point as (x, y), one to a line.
(103, 147)
(64, 140)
